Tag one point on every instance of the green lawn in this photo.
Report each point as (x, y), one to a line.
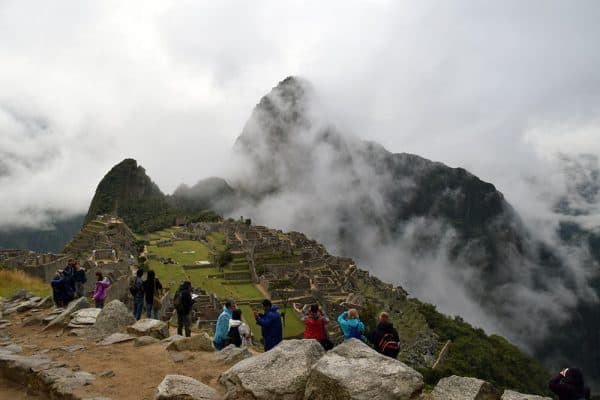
(293, 325)
(11, 281)
(217, 240)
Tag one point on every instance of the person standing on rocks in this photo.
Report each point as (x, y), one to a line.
(221, 338)
(59, 290)
(270, 323)
(315, 326)
(152, 290)
(69, 275)
(101, 289)
(569, 385)
(136, 288)
(385, 337)
(351, 325)
(80, 279)
(183, 303)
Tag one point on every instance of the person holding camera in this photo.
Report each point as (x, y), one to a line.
(569, 385)
(270, 323)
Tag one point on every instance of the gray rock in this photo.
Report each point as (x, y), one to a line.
(12, 348)
(178, 356)
(179, 387)
(73, 348)
(511, 395)
(149, 327)
(354, 371)
(107, 374)
(144, 341)
(63, 318)
(460, 388)
(280, 373)
(114, 317)
(86, 316)
(116, 338)
(63, 380)
(199, 342)
(232, 354)
(46, 302)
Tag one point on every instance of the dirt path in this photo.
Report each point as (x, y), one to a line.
(137, 370)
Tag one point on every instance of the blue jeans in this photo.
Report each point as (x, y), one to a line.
(149, 310)
(138, 306)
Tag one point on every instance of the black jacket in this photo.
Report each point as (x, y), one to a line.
(378, 334)
(570, 387)
(79, 276)
(149, 287)
(186, 302)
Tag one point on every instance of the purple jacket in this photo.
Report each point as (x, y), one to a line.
(100, 292)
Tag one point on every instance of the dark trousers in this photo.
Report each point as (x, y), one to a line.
(99, 303)
(184, 320)
(138, 306)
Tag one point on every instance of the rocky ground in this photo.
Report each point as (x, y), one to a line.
(78, 353)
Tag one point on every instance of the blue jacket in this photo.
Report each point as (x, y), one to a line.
(272, 330)
(351, 327)
(222, 325)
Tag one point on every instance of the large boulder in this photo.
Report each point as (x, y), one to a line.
(460, 388)
(63, 318)
(199, 342)
(180, 387)
(280, 373)
(232, 354)
(113, 318)
(353, 370)
(511, 395)
(149, 327)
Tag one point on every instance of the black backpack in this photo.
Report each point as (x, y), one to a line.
(389, 346)
(234, 336)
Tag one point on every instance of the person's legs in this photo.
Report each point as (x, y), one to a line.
(79, 289)
(99, 303)
(155, 312)
(148, 309)
(138, 305)
(179, 324)
(187, 322)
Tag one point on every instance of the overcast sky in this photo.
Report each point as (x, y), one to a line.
(498, 88)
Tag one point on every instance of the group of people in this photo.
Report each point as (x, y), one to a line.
(146, 294)
(69, 284)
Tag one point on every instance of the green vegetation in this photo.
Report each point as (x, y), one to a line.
(11, 281)
(491, 358)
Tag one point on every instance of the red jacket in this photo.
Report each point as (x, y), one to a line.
(314, 327)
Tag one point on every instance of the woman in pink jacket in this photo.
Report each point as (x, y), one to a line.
(101, 290)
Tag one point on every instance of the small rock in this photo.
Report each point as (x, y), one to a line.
(13, 348)
(460, 388)
(511, 395)
(179, 387)
(116, 338)
(232, 354)
(199, 342)
(46, 302)
(149, 327)
(180, 356)
(62, 318)
(144, 341)
(73, 348)
(106, 374)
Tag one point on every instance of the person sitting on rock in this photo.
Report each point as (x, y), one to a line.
(221, 339)
(239, 333)
(270, 323)
(385, 337)
(315, 326)
(101, 289)
(80, 279)
(152, 288)
(183, 303)
(569, 385)
(351, 325)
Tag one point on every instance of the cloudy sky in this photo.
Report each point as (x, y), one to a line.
(498, 88)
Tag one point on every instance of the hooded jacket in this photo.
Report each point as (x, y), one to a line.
(222, 325)
(61, 292)
(272, 330)
(348, 325)
(242, 329)
(100, 291)
(570, 387)
(186, 301)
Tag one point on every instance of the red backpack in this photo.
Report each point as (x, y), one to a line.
(389, 346)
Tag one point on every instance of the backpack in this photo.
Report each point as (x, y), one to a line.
(355, 332)
(234, 336)
(389, 346)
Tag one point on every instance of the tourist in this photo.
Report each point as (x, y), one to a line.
(183, 303)
(59, 290)
(385, 337)
(351, 325)
(270, 323)
(315, 326)
(569, 385)
(152, 290)
(80, 279)
(239, 333)
(101, 289)
(221, 339)
(136, 288)
(69, 274)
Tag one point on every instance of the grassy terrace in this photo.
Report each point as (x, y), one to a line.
(11, 281)
(186, 252)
